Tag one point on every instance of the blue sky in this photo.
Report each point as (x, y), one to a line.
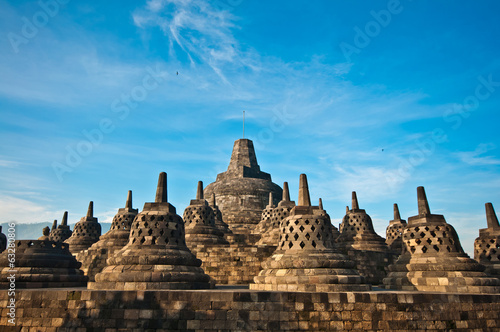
(374, 96)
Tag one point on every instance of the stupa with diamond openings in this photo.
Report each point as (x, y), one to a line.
(219, 222)
(156, 256)
(306, 259)
(94, 259)
(265, 218)
(199, 222)
(487, 245)
(362, 244)
(278, 214)
(394, 231)
(86, 232)
(62, 232)
(433, 258)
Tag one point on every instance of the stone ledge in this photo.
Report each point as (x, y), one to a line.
(241, 309)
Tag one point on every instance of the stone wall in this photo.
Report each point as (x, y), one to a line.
(218, 310)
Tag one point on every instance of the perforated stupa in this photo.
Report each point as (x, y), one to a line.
(156, 256)
(433, 258)
(62, 232)
(94, 259)
(394, 231)
(200, 223)
(305, 259)
(487, 245)
(86, 232)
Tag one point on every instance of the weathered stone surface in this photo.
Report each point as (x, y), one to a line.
(265, 219)
(242, 191)
(41, 264)
(359, 241)
(199, 222)
(219, 221)
(271, 236)
(394, 231)
(244, 310)
(156, 256)
(433, 259)
(45, 236)
(321, 211)
(62, 232)
(306, 259)
(94, 259)
(86, 232)
(487, 245)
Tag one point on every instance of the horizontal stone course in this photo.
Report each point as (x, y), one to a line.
(229, 310)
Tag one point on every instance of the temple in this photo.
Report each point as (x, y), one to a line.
(251, 259)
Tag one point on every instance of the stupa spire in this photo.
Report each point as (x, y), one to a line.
(304, 198)
(491, 217)
(423, 204)
(128, 204)
(64, 221)
(355, 205)
(54, 225)
(213, 200)
(320, 204)
(161, 190)
(199, 192)
(270, 199)
(286, 192)
(90, 211)
(397, 216)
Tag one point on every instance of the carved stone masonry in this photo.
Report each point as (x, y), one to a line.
(156, 256)
(394, 231)
(433, 259)
(199, 222)
(62, 232)
(305, 259)
(219, 221)
(86, 232)
(487, 245)
(278, 214)
(94, 259)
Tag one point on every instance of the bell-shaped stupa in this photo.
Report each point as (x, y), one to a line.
(487, 245)
(335, 231)
(199, 222)
(86, 232)
(265, 218)
(62, 232)
(394, 231)
(156, 256)
(94, 259)
(357, 232)
(219, 221)
(41, 263)
(305, 259)
(243, 190)
(433, 258)
(278, 214)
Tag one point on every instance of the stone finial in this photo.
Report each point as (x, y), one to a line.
(304, 198)
(491, 217)
(270, 199)
(64, 221)
(397, 216)
(423, 204)
(347, 209)
(213, 200)
(199, 192)
(90, 211)
(320, 204)
(54, 225)
(355, 205)
(161, 190)
(128, 204)
(286, 192)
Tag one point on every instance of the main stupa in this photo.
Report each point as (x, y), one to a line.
(242, 192)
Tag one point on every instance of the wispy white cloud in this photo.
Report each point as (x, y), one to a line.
(478, 157)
